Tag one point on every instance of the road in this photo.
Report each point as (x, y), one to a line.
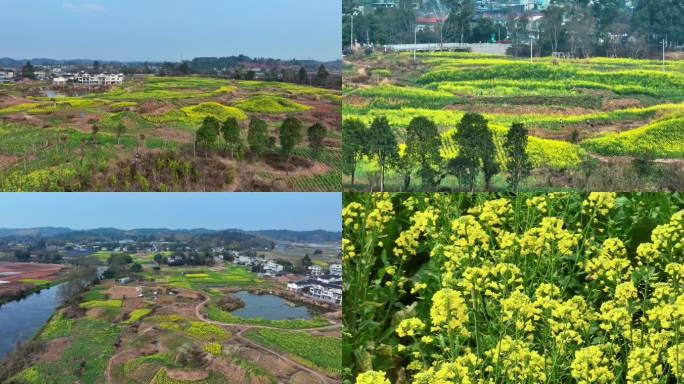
(323, 379)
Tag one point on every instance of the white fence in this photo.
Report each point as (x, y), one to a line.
(480, 48)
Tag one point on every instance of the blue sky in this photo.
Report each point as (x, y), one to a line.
(248, 211)
(166, 29)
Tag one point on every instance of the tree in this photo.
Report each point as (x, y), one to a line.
(184, 68)
(460, 17)
(302, 75)
(306, 261)
(158, 258)
(322, 74)
(120, 129)
(136, 267)
(383, 145)
(422, 145)
(207, 133)
(315, 135)
(94, 129)
(483, 31)
(552, 26)
(290, 134)
(22, 255)
(231, 134)
(476, 150)
(28, 71)
(257, 136)
(518, 163)
(354, 133)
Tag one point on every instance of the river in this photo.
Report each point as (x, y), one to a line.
(20, 319)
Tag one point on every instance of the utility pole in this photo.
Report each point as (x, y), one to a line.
(351, 35)
(663, 55)
(530, 50)
(415, 41)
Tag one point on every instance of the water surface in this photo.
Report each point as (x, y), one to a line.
(271, 307)
(20, 319)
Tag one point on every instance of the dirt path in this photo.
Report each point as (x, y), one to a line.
(108, 371)
(324, 379)
(245, 327)
(628, 159)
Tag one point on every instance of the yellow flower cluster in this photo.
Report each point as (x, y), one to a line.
(449, 311)
(670, 237)
(348, 250)
(675, 358)
(351, 213)
(538, 202)
(643, 366)
(492, 280)
(410, 327)
(493, 213)
(372, 377)
(548, 238)
(463, 370)
(569, 319)
(519, 308)
(407, 242)
(382, 212)
(467, 241)
(519, 363)
(611, 265)
(601, 202)
(592, 366)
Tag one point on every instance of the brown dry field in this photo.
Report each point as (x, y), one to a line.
(25, 271)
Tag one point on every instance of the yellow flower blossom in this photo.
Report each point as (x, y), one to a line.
(448, 311)
(592, 366)
(410, 327)
(643, 366)
(372, 377)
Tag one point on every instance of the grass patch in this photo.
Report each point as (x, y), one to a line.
(316, 351)
(113, 303)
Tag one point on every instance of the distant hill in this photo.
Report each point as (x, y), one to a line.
(246, 238)
(318, 236)
(198, 63)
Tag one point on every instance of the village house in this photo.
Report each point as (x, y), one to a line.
(335, 269)
(318, 289)
(315, 270)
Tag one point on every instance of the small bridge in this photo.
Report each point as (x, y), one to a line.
(479, 48)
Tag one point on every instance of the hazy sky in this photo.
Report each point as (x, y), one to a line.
(248, 211)
(166, 29)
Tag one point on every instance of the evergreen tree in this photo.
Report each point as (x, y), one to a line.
(382, 144)
(518, 163)
(257, 136)
(354, 134)
(315, 135)
(290, 134)
(422, 145)
(230, 131)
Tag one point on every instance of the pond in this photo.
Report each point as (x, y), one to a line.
(271, 307)
(20, 319)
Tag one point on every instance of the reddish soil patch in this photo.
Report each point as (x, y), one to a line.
(6, 161)
(54, 349)
(612, 104)
(122, 292)
(521, 109)
(9, 100)
(174, 134)
(154, 107)
(11, 273)
(178, 374)
(22, 117)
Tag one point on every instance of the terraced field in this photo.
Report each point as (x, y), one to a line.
(154, 330)
(578, 112)
(141, 136)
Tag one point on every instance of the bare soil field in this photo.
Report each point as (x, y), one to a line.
(12, 274)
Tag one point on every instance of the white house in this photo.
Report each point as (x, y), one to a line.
(59, 81)
(335, 269)
(99, 79)
(315, 270)
(271, 267)
(318, 290)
